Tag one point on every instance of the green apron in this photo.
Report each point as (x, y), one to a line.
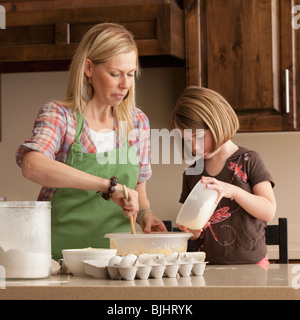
(81, 218)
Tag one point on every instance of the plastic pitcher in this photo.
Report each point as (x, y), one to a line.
(198, 207)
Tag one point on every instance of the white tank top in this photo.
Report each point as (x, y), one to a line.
(104, 140)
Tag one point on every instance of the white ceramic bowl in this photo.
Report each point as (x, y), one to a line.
(165, 242)
(73, 258)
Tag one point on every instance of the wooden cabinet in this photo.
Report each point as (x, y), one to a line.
(245, 49)
(43, 35)
(248, 52)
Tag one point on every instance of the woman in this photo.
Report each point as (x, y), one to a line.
(95, 140)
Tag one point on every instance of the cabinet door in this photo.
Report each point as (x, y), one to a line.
(246, 50)
(51, 30)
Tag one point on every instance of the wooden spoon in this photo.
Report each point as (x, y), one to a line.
(131, 217)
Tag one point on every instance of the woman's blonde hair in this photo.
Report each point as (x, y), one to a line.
(99, 44)
(202, 108)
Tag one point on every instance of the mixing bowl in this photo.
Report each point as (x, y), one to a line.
(73, 258)
(139, 243)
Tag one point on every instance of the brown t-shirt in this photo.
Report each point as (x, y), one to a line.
(234, 236)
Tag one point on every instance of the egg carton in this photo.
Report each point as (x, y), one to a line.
(148, 266)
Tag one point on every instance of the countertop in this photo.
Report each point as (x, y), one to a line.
(217, 282)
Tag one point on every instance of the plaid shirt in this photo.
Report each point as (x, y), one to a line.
(55, 130)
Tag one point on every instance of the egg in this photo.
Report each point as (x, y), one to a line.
(148, 262)
(144, 261)
(190, 259)
(128, 261)
(115, 261)
(162, 261)
(132, 256)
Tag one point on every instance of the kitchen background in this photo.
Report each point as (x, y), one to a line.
(22, 94)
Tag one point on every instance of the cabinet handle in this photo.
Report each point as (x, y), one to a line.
(287, 91)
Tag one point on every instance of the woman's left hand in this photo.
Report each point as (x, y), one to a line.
(224, 189)
(150, 223)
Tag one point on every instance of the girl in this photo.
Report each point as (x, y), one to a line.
(235, 233)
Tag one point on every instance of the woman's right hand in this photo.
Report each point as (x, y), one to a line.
(130, 207)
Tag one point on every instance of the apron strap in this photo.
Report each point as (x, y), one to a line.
(76, 146)
(79, 126)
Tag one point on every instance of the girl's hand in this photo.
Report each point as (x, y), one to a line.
(224, 189)
(130, 207)
(261, 203)
(196, 233)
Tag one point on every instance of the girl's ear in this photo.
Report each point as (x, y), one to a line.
(88, 67)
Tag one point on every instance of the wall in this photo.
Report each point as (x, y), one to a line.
(23, 94)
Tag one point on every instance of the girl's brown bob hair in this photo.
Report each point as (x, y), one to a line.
(202, 108)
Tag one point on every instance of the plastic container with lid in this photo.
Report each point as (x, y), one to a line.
(25, 239)
(151, 243)
(198, 207)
